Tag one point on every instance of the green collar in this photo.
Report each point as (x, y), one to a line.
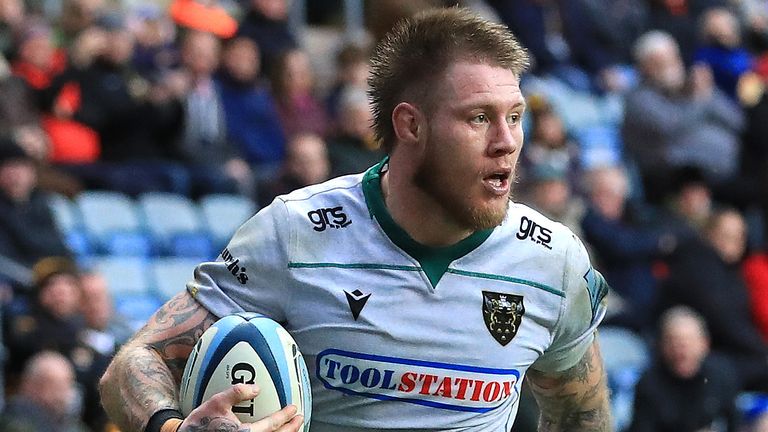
(433, 260)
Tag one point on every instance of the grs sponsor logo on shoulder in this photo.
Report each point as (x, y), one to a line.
(324, 218)
(438, 385)
(534, 232)
(234, 267)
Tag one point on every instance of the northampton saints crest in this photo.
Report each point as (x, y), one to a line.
(503, 314)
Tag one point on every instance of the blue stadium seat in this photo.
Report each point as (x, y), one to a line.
(128, 244)
(626, 356)
(69, 222)
(191, 245)
(136, 308)
(106, 213)
(223, 214)
(170, 275)
(65, 214)
(125, 275)
(168, 216)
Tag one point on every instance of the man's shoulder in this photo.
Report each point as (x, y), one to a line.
(528, 223)
(328, 204)
(347, 187)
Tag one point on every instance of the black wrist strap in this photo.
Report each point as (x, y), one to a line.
(159, 418)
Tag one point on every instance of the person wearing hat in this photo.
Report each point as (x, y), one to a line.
(27, 229)
(52, 319)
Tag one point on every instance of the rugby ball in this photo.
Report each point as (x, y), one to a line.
(247, 348)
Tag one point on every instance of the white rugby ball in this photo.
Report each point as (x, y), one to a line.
(247, 348)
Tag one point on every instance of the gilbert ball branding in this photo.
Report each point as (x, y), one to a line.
(248, 348)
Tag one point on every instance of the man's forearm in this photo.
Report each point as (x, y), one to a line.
(575, 400)
(143, 378)
(139, 385)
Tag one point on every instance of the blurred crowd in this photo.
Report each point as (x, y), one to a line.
(647, 135)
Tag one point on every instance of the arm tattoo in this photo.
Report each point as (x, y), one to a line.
(215, 424)
(573, 400)
(175, 329)
(144, 376)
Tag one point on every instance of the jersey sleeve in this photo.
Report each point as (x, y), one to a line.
(250, 274)
(582, 310)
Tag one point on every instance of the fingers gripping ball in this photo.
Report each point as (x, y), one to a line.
(250, 349)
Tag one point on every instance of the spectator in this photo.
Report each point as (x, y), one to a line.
(37, 60)
(722, 50)
(673, 120)
(550, 193)
(215, 165)
(705, 275)
(528, 21)
(550, 147)
(266, 23)
(688, 205)
(253, 124)
(351, 71)
(680, 18)
(12, 14)
(132, 123)
(47, 400)
(27, 228)
(155, 53)
(52, 321)
(626, 245)
(306, 163)
(354, 148)
(687, 389)
(104, 332)
(600, 34)
(293, 86)
(755, 271)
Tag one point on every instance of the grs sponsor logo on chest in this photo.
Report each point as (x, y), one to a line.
(534, 232)
(234, 267)
(438, 385)
(324, 218)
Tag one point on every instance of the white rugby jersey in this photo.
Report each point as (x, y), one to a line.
(398, 335)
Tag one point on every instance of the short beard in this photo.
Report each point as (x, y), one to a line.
(429, 178)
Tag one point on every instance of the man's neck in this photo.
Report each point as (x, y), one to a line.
(419, 214)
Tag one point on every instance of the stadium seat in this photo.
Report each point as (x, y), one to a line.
(626, 356)
(170, 275)
(106, 213)
(223, 214)
(169, 215)
(69, 222)
(136, 308)
(191, 245)
(128, 244)
(65, 214)
(125, 275)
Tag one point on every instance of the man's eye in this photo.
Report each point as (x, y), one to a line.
(513, 119)
(480, 118)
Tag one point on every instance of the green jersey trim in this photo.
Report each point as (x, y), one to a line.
(540, 286)
(434, 260)
(415, 268)
(353, 266)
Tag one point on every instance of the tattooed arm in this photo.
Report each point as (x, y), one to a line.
(575, 400)
(144, 376)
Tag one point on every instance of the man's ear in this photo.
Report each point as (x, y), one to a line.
(407, 122)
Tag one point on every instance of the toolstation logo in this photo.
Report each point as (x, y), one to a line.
(437, 385)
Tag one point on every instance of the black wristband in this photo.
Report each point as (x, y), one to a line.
(159, 418)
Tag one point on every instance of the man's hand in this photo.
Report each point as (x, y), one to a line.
(215, 414)
(575, 400)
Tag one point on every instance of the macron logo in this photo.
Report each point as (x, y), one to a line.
(356, 300)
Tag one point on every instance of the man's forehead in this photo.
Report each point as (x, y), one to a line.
(464, 82)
